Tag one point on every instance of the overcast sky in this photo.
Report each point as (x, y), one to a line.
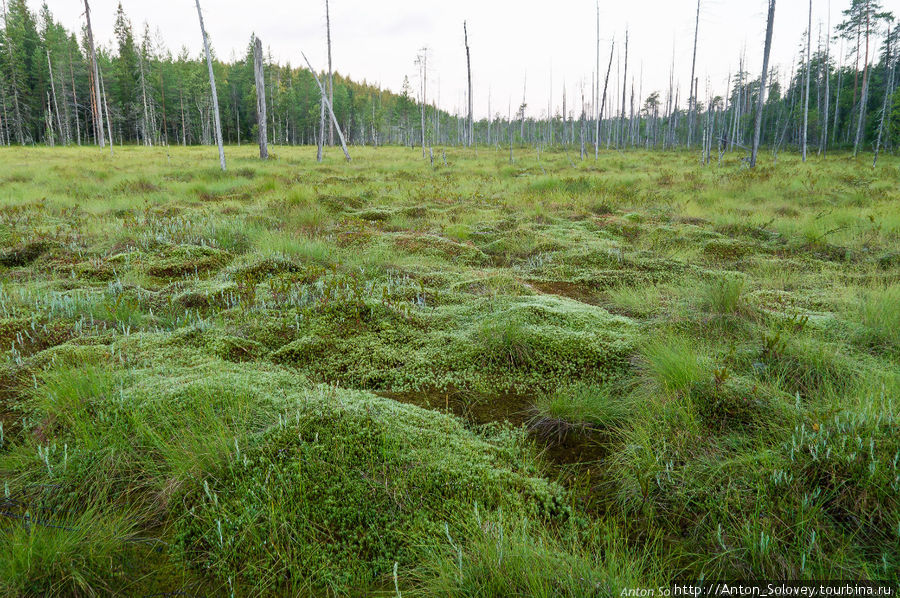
(377, 40)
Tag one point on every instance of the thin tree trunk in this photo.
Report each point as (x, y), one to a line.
(865, 88)
(624, 87)
(74, 97)
(55, 102)
(260, 100)
(5, 129)
(330, 72)
(212, 86)
(599, 108)
(823, 145)
(837, 99)
(762, 84)
(98, 110)
(321, 139)
(424, 88)
(470, 132)
(162, 89)
(612, 48)
(147, 140)
(808, 72)
(105, 104)
(692, 101)
(183, 122)
(888, 93)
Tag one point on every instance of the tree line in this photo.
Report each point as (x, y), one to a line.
(841, 93)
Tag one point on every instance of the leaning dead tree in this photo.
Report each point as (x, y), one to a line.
(327, 104)
(95, 71)
(260, 100)
(212, 86)
(470, 125)
(757, 127)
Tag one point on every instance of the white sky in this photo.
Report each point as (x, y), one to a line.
(377, 40)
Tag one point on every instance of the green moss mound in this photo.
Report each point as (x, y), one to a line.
(346, 485)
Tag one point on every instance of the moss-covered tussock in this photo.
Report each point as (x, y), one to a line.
(524, 342)
(344, 486)
(270, 481)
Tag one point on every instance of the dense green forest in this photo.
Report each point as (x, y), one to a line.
(155, 97)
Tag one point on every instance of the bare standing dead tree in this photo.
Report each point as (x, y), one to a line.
(470, 126)
(865, 85)
(330, 71)
(757, 129)
(146, 123)
(55, 101)
(422, 62)
(624, 85)
(808, 73)
(98, 111)
(692, 101)
(260, 100)
(888, 93)
(599, 109)
(105, 104)
(823, 144)
(212, 86)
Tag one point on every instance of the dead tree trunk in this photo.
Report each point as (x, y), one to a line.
(823, 144)
(888, 93)
(74, 98)
(599, 109)
(624, 85)
(98, 110)
(330, 109)
(423, 83)
(865, 87)
(105, 104)
(762, 85)
(321, 140)
(260, 100)
(330, 72)
(4, 130)
(148, 141)
(612, 48)
(808, 73)
(470, 128)
(692, 101)
(212, 86)
(55, 101)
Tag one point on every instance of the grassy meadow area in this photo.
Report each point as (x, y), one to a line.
(544, 378)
